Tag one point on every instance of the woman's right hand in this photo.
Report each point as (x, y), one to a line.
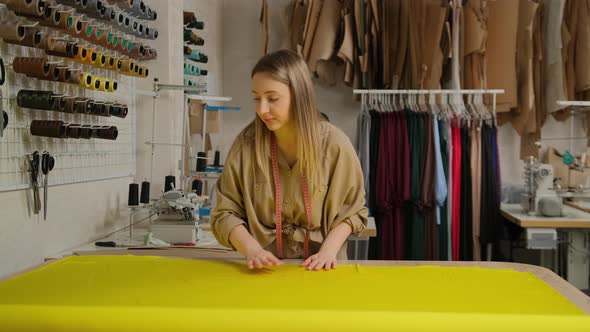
(259, 258)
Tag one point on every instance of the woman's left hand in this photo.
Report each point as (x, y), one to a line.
(322, 260)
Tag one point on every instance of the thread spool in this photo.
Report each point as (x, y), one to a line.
(133, 199)
(62, 74)
(48, 128)
(90, 56)
(100, 60)
(12, 30)
(145, 193)
(216, 159)
(51, 16)
(105, 85)
(72, 49)
(169, 183)
(197, 186)
(111, 14)
(119, 111)
(42, 100)
(84, 105)
(69, 105)
(201, 162)
(113, 87)
(126, 66)
(82, 54)
(87, 81)
(73, 131)
(59, 104)
(96, 82)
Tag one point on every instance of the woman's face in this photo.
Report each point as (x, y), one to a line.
(273, 101)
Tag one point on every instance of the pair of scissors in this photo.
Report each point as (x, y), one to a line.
(47, 164)
(34, 169)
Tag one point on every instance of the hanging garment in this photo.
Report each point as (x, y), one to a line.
(474, 21)
(402, 190)
(444, 204)
(521, 115)
(476, 188)
(440, 188)
(490, 202)
(554, 80)
(324, 39)
(374, 243)
(415, 219)
(384, 185)
(435, 14)
(466, 218)
(363, 140)
(451, 188)
(501, 49)
(538, 116)
(457, 201)
(428, 186)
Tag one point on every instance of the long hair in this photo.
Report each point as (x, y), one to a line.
(289, 68)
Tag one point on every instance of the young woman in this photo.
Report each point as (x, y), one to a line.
(290, 173)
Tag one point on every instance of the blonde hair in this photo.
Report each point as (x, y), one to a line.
(290, 69)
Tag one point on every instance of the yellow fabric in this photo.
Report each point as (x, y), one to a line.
(143, 293)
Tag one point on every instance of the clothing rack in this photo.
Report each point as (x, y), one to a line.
(493, 92)
(367, 94)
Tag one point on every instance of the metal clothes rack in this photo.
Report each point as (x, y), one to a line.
(493, 92)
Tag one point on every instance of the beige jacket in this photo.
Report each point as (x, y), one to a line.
(245, 195)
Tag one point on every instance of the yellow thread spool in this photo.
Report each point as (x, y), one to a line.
(127, 66)
(86, 81)
(100, 60)
(113, 86)
(104, 85)
(109, 62)
(96, 82)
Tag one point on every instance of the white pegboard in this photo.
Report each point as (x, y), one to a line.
(77, 160)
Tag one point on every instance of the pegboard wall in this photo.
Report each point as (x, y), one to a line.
(76, 160)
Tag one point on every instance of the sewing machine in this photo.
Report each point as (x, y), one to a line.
(543, 193)
(178, 215)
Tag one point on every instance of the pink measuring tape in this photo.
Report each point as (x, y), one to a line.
(278, 202)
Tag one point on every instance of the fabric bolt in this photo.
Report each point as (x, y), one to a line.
(457, 199)
(466, 219)
(245, 192)
(476, 188)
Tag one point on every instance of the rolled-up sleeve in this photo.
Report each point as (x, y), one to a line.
(345, 201)
(228, 212)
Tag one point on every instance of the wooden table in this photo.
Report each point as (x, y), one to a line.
(573, 225)
(569, 292)
(573, 218)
